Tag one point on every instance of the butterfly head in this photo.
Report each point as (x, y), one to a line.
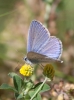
(27, 61)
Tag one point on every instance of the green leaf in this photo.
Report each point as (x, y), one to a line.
(16, 95)
(31, 93)
(38, 84)
(43, 89)
(38, 89)
(20, 96)
(35, 98)
(18, 82)
(38, 96)
(6, 86)
(27, 97)
(13, 74)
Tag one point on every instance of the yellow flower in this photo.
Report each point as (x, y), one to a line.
(49, 71)
(26, 70)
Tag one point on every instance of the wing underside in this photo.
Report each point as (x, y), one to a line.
(39, 58)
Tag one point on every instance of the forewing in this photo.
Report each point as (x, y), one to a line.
(52, 49)
(37, 36)
(39, 58)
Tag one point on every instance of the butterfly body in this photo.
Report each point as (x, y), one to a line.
(41, 47)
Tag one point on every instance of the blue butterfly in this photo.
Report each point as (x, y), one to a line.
(41, 47)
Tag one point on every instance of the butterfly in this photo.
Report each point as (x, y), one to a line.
(41, 47)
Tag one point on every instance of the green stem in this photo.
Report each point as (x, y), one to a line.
(39, 88)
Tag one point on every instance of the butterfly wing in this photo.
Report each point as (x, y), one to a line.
(52, 49)
(39, 58)
(37, 36)
(40, 41)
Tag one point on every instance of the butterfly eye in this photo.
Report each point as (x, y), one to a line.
(25, 58)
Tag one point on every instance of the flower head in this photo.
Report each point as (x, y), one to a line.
(26, 70)
(49, 71)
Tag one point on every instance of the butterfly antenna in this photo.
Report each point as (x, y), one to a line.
(18, 52)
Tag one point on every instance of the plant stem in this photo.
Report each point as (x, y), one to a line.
(39, 88)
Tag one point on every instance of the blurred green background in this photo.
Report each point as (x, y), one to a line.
(15, 18)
